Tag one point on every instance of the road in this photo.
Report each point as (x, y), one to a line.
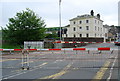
(77, 65)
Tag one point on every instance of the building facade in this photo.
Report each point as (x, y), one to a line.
(86, 26)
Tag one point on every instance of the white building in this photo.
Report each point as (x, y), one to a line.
(86, 26)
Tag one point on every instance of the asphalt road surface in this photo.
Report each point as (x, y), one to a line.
(63, 65)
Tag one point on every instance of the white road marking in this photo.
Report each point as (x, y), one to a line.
(40, 66)
(58, 61)
(111, 69)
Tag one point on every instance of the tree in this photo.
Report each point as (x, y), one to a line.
(53, 35)
(25, 26)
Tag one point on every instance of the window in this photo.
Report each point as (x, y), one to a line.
(87, 35)
(95, 34)
(74, 35)
(95, 27)
(98, 22)
(87, 21)
(80, 27)
(80, 22)
(80, 35)
(74, 22)
(98, 28)
(87, 27)
(74, 29)
(95, 21)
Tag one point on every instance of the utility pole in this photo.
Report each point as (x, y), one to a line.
(60, 19)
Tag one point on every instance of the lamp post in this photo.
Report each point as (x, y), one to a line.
(60, 20)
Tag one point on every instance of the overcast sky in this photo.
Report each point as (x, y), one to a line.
(49, 9)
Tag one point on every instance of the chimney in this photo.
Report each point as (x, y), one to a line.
(98, 16)
(92, 12)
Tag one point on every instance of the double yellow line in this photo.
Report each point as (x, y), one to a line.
(57, 75)
(102, 71)
(7, 60)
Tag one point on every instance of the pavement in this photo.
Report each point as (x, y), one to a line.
(63, 65)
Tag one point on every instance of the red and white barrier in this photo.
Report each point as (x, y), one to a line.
(82, 49)
(82, 42)
(79, 49)
(102, 49)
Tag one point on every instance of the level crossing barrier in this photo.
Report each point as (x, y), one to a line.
(97, 49)
(72, 49)
(82, 42)
(26, 56)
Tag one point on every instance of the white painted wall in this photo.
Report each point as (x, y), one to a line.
(99, 31)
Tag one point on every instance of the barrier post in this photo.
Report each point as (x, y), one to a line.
(52, 52)
(112, 51)
(99, 52)
(76, 51)
(27, 56)
(64, 51)
(10, 52)
(88, 51)
(22, 59)
(22, 56)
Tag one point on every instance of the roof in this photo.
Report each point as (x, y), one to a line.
(84, 17)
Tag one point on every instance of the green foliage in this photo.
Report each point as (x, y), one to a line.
(10, 46)
(53, 29)
(25, 26)
(53, 35)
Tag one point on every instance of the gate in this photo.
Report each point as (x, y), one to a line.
(52, 59)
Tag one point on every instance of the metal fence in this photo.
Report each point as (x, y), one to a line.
(34, 44)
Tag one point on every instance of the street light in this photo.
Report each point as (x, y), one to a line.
(60, 19)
